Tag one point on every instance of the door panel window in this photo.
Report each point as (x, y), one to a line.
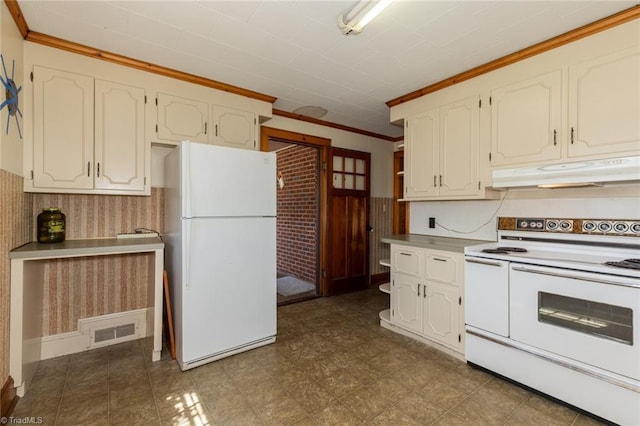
(349, 173)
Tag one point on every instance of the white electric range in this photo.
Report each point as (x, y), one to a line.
(555, 304)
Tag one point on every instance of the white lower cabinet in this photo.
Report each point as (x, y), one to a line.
(426, 295)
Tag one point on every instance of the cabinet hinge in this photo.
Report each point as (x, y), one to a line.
(31, 174)
(216, 130)
(479, 103)
(459, 338)
(393, 282)
(205, 128)
(31, 75)
(145, 99)
(254, 143)
(255, 121)
(156, 101)
(478, 184)
(145, 180)
(489, 156)
(490, 100)
(156, 128)
(460, 300)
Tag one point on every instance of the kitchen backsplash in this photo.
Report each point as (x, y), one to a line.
(477, 219)
(85, 287)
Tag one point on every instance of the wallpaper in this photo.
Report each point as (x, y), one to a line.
(15, 230)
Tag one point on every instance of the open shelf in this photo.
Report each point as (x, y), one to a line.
(385, 316)
(385, 262)
(385, 288)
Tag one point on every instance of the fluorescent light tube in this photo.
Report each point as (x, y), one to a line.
(363, 17)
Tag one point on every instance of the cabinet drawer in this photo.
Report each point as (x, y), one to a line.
(407, 260)
(442, 267)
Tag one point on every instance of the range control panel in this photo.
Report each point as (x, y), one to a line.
(571, 226)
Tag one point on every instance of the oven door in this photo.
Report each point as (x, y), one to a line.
(588, 317)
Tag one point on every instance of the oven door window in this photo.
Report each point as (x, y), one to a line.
(586, 316)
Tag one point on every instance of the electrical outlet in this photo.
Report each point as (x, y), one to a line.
(432, 222)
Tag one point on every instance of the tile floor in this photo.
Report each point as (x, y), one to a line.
(332, 364)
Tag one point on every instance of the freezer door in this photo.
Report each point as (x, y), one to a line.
(229, 284)
(219, 181)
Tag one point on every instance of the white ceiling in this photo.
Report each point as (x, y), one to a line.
(293, 50)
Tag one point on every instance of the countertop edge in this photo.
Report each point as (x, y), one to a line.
(450, 244)
(85, 247)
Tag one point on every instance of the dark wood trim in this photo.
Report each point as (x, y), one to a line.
(9, 398)
(300, 117)
(18, 17)
(267, 133)
(380, 278)
(544, 46)
(324, 145)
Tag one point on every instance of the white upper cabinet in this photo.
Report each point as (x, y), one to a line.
(182, 119)
(119, 137)
(234, 128)
(442, 153)
(88, 136)
(421, 155)
(604, 106)
(62, 130)
(526, 120)
(458, 148)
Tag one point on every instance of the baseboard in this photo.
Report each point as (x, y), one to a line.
(81, 340)
(9, 398)
(381, 278)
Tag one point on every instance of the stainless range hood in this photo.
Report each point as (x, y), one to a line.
(572, 174)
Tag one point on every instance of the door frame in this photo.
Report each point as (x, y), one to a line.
(324, 145)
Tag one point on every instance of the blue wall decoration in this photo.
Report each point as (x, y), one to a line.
(11, 96)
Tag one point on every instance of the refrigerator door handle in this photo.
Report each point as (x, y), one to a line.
(187, 254)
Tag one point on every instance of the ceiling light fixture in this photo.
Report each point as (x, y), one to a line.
(364, 12)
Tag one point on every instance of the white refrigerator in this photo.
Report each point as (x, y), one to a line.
(220, 239)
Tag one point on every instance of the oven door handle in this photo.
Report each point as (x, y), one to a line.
(483, 262)
(573, 277)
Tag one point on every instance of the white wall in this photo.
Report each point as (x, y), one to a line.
(477, 219)
(11, 47)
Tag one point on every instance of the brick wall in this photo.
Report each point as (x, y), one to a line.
(298, 204)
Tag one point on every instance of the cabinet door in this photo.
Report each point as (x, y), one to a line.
(604, 106)
(421, 155)
(182, 119)
(234, 128)
(62, 129)
(441, 314)
(407, 260)
(458, 148)
(444, 267)
(119, 137)
(406, 302)
(526, 121)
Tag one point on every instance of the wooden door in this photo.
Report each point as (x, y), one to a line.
(348, 221)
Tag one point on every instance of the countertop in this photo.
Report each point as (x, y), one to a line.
(455, 245)
(85, 247)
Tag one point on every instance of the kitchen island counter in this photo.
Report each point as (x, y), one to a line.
(455, 245)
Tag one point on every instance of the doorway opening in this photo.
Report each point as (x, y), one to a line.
(299, 212)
